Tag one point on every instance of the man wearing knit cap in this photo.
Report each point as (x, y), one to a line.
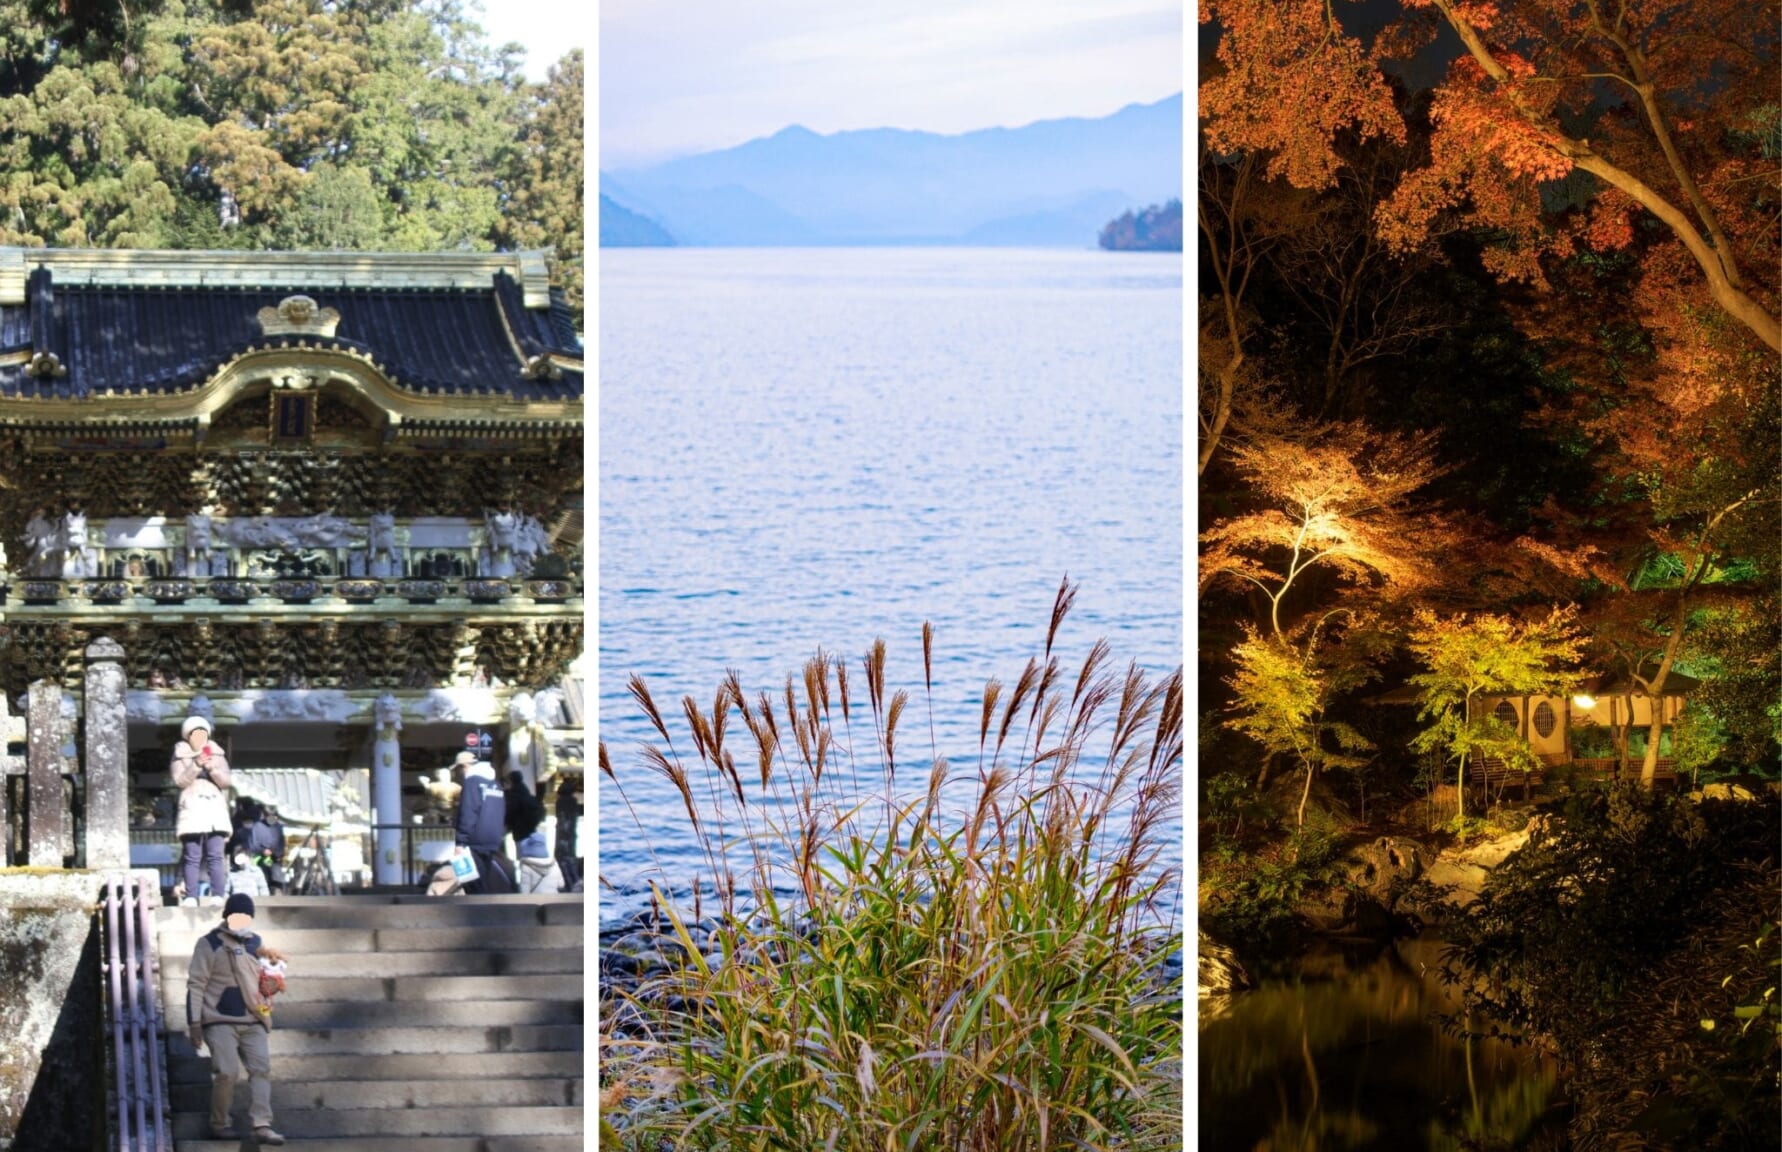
(226, 1011)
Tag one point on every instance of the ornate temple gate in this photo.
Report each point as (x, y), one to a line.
(330, 501)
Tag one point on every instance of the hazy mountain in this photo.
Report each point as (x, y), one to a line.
(1054, 182)
(622, 228)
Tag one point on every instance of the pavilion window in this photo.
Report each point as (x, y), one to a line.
(1544, 719)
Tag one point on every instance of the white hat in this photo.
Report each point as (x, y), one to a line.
(464, 760)
(192, 722)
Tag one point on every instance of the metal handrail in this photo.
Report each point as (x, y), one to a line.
(139, 1119)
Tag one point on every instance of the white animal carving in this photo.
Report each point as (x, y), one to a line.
(258, 532)
(326, 704)
(382, 534)
(389, 712)
(503, 529)
(531, 541)
(325, 530)
(143, 707)
(551, 713)
(43, 542)
(197, 534)
(438, 708)
(80, 561)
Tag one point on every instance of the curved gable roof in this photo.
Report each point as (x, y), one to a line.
(115, 332)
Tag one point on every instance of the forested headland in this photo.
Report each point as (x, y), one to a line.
(1154, 229)
(358, 125)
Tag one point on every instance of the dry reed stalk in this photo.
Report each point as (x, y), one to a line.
(720, 720)
(992, 693)
(1067, 596)
(641, 693)
(1028, 675)
(1098, 655)
(892, 715)
(674, 775)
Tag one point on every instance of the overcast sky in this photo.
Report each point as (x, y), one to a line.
(548, 29)
(682, 76)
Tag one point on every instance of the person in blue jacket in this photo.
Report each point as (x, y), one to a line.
(481, 826)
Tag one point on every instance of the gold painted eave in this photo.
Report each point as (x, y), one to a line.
(330, 368)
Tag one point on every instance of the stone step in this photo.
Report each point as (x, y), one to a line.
(363, 989)
(375, 1041)
(474, 938)
(290, 1096)
(321, 965)
(363, 1122)
(387, 912)
(426, 1013)
(460, 1066)
(398, 1144)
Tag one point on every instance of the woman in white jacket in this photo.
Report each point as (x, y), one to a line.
(202, 775)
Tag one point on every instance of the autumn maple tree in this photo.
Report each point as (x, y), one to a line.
(1467, 656)
(1334, 502)
(1667, 109)
(1336, 498)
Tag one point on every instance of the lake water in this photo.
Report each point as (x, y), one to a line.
(1347, 1052)
(815, 448)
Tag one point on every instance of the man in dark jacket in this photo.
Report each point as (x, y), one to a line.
(226, 1012)
(266, 845)
(481, 825)
(569, 815)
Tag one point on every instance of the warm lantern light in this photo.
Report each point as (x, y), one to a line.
(1584, 702)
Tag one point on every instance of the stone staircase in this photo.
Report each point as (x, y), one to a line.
(410, 1024)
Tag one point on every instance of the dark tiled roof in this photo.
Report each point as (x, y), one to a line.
(139, 339)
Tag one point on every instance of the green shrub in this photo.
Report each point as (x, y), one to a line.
(1623, 934)
(986, 983)
(1250, 895)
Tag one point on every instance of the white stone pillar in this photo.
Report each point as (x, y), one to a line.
(386, 789)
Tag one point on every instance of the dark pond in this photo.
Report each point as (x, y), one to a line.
(1346, 1053)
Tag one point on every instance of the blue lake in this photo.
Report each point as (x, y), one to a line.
(815, 448)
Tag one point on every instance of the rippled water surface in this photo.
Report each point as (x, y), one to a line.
(804, 448)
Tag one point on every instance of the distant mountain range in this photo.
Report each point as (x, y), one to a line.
(1051, 183)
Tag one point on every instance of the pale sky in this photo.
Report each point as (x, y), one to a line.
(682, 76)
(548, 29)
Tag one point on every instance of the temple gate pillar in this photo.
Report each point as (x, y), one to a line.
(105, 759)
(386, 790)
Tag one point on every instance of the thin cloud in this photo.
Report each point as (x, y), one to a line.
(698, 74)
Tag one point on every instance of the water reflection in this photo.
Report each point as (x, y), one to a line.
(1345, 1053)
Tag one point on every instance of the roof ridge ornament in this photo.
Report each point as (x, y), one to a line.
(542, 368)
(299, 316)
(45, 365)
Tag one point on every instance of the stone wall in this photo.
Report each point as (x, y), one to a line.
(52, 1041)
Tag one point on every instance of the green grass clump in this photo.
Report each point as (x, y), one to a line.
(975, 980)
